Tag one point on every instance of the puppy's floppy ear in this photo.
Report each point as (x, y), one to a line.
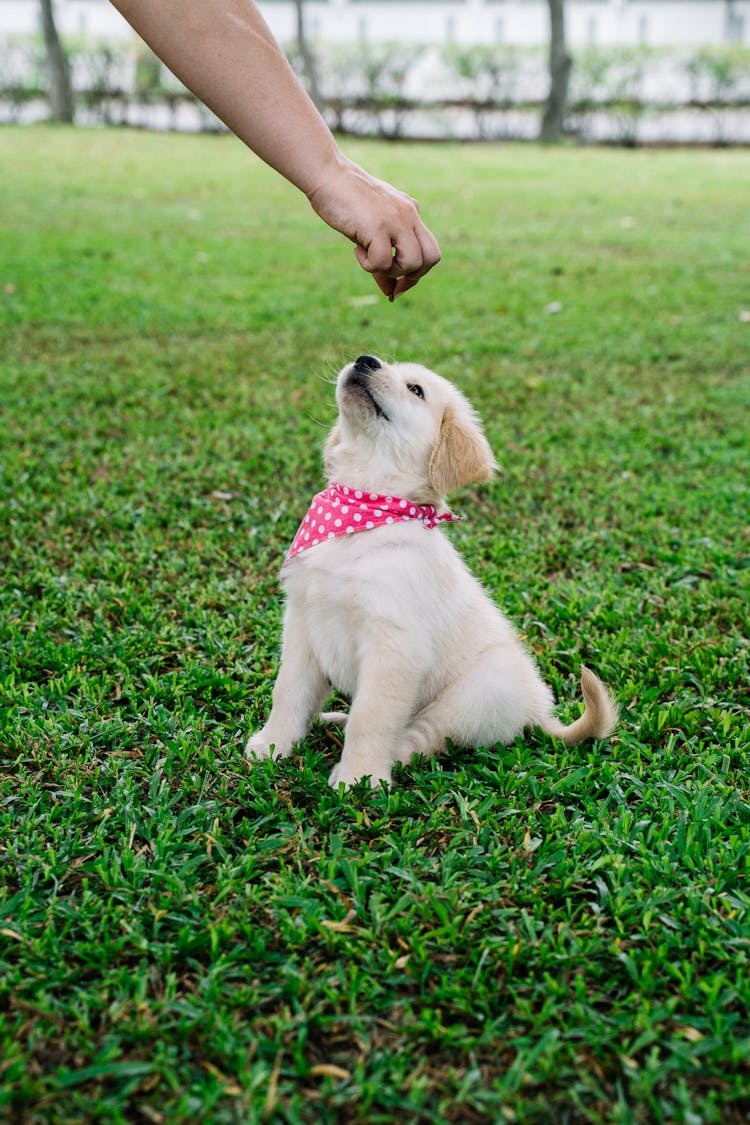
(462, 454)
(333, 441)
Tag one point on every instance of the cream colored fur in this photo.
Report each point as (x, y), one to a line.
(391, 617)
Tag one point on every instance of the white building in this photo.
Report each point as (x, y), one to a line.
(522, 22)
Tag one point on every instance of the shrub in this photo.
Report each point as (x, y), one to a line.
(22, 72)
(489, 75)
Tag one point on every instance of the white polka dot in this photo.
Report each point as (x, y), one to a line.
(344, 509)
(377, 513)
(357, 517)
(402, 503)
(412, 511)
(321, 528)
(319, 510)
(328, 515)
(331, 534)
(349, 530)
(389, 520)
(373, 495)
(307, 535)
(369, 524)
(358, 494)
(337, 523)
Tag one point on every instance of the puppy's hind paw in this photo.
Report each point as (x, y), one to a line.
(343, 774)
(406, 752)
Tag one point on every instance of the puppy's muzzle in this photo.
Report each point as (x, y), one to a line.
(357, 380)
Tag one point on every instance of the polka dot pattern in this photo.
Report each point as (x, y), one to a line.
(341, 510)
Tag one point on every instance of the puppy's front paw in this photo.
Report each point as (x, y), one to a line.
(259, 748)
(350, 775)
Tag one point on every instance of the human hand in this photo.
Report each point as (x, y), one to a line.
(391, 241)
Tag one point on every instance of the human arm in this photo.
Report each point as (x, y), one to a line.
(224, 52)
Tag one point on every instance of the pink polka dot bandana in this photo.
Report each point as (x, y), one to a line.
(340, 510)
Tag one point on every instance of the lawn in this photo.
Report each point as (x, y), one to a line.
(526, 934)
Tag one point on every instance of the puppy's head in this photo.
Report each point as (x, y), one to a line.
(404, 430)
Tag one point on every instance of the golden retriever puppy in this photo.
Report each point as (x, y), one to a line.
(379, 604)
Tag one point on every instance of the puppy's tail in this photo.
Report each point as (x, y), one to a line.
(599, 717)
(333, 718)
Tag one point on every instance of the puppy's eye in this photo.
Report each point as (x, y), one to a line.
(416, 389)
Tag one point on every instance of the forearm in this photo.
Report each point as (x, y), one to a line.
(223, 51)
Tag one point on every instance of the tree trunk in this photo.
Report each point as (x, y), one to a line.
(560, 64)
(308, 57)
(58, 69)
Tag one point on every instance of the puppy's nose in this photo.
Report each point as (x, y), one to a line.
(365, 363)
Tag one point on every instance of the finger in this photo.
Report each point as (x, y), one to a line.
(408, 259)
(395, 256)
(430, 247)
(377, 255)
(412, 260)
(420, 257)
(416, 255)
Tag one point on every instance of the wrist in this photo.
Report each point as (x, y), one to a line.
(331, 174)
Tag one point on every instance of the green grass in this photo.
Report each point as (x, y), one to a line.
(529, 934)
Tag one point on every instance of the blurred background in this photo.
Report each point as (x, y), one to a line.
(627, 72)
